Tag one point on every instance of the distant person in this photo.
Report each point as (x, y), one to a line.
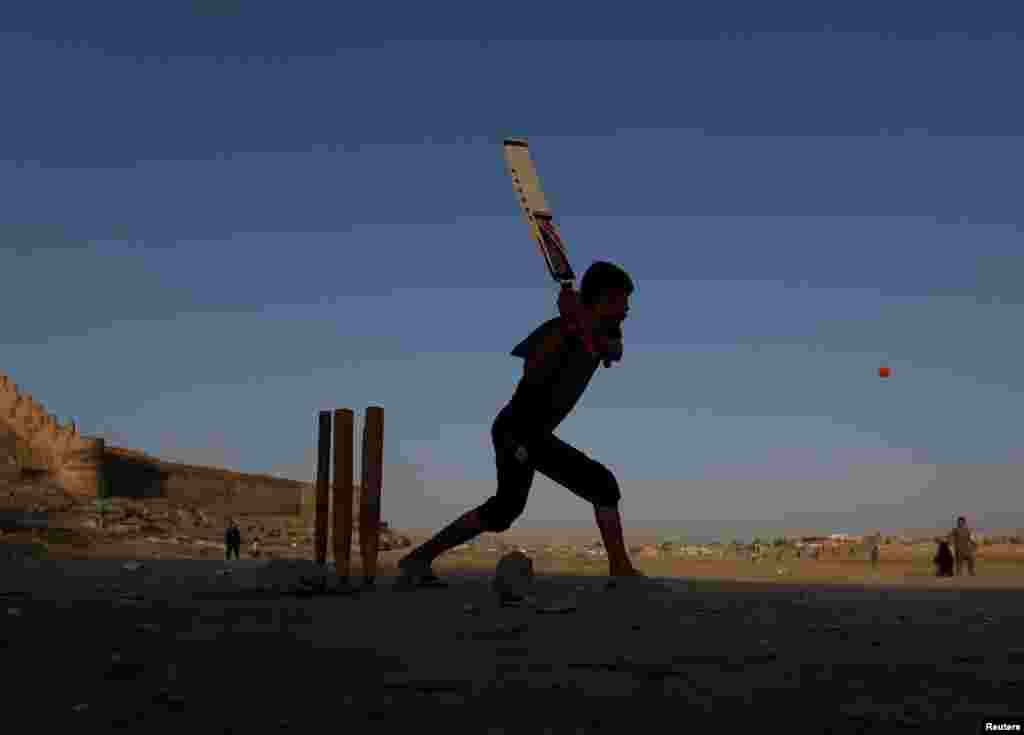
(943, 560)
(560, 358)
(964, 546)
(232, 540)
(876, 549)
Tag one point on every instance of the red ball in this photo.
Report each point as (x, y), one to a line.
(883, 372)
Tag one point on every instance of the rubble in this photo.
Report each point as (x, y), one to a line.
(182, 530)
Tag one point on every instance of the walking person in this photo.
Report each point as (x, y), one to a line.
(964, 546)
(232, 540)
(557, 369)
(943, 559)
(876, 549)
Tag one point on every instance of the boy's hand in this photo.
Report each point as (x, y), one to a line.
(610, 348)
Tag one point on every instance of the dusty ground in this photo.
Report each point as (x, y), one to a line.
(179, 645)
(202, 652)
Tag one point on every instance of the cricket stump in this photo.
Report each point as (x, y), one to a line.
(323, 470)
(369, 496)
(344, 422)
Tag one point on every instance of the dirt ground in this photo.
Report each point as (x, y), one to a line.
(175, 646)
(141, 626)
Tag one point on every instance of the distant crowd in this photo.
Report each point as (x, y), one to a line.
(955, 555)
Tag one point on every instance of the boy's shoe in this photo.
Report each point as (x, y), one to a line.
(416, 573)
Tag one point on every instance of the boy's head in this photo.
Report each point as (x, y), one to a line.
(605, 291)
(961, 522)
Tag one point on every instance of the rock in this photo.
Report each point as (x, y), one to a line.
(120, 670)
(124, 603)
(558, 608)
(172, 702)
(513, 576)
(517, 601)
(132, 566)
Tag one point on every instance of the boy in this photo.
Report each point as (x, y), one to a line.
(232, 540)
(556, 372)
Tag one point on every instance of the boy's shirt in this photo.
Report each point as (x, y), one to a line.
(548, 392)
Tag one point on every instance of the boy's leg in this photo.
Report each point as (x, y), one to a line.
(460, 531)
(515, 475)
(609, 523)
(592, 481)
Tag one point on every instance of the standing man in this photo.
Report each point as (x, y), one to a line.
(232, 540)
(963, 545)
(876, 550)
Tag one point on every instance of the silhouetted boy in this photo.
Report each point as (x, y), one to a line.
(232, 540)
(557, 370)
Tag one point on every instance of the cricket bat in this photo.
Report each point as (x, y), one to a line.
(526, 184)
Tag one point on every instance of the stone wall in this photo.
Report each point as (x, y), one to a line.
(8, 453)
(231, 491)
(73, 459)
(80, 463)
(138, 475)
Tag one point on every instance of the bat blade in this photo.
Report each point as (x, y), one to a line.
(526, 185)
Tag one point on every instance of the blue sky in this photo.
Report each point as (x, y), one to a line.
(219, 219)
